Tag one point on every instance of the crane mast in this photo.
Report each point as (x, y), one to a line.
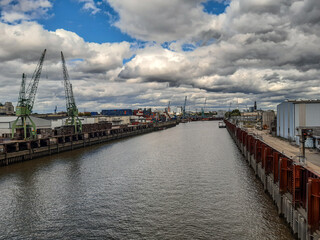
(71, 106)
(26, 101)
(22, 93)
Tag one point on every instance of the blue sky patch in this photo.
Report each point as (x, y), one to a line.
(188, 47)
(69, 15)
(76, 60)
(215, 7)
(166, 45)
(128, 59)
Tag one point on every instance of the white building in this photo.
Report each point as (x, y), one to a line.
(221, 113)
(116, 120)
(62, 121)
(295, 114)
(7, 122)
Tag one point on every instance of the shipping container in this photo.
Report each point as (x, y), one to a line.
(117, 112)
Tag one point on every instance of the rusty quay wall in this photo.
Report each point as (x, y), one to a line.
(294, 188)
(19, 151)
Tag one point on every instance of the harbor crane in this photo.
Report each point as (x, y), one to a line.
(72, 109)
(26, 101)
(204, 107)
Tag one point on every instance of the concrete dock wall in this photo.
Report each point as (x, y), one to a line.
(294, 188)
(20, 151)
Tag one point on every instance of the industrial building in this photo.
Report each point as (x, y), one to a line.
(293, 115)
(7, 122)
(123, 120)
(221, 113)
(6, 109)
(268, 117)
(58, 122)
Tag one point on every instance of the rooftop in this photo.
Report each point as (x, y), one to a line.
(297, 101)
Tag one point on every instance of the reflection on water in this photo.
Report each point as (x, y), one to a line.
(187, 182)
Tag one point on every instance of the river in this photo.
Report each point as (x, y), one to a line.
(186, 182)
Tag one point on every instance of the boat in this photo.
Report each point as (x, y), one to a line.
(222, 125)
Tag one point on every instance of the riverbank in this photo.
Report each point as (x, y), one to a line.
(20, 151)
(282, 145)
(294, 187)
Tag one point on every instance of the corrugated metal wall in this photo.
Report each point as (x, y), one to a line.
(313, 114)
(292, 115)
(285, 120)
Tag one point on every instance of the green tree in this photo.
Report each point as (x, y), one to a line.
(235, 112)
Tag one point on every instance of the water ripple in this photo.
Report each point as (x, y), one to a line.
(187, 182)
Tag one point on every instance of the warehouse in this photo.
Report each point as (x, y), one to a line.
(292, 115)
(7, 122)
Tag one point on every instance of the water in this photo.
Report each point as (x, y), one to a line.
(187, 182)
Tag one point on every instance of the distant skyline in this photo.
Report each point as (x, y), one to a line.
(145, 53)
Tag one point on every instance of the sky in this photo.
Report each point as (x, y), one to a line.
(145, 53)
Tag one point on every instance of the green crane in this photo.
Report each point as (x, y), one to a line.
(26, 101)
(72, 109)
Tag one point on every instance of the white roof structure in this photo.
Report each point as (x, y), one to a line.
(7, 121)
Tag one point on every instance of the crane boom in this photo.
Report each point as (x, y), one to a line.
(33, 85)
(71, 106)
(70, 103)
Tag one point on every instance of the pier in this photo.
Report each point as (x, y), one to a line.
(24, 150)
(293, 186)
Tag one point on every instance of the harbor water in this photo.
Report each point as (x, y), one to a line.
(186, 182)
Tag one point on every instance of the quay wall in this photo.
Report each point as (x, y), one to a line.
(19, 151)
(294, 188)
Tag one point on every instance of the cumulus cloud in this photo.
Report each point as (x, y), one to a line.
(263, 48)
(263, 51)
(163, 21)
(14, 11)
(20, 49)
(90, 5)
